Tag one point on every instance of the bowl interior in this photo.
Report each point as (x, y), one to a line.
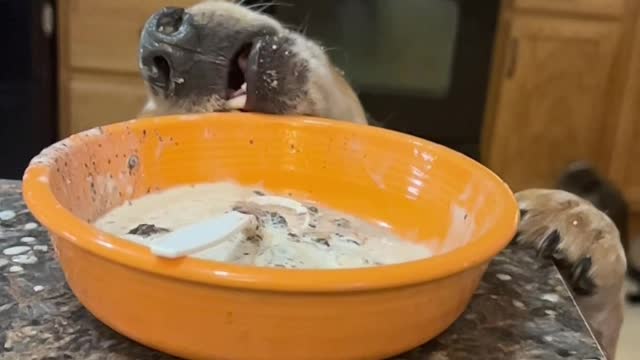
(423, 191)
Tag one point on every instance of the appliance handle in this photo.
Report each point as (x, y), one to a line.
(512, 65)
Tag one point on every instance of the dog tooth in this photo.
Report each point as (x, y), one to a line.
(237, 102)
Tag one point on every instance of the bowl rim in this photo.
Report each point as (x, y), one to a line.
(43, 204)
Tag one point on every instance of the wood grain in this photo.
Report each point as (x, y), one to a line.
(503, 31)
(624, 169)
(583, 7)
(552, 104)
(98, 99)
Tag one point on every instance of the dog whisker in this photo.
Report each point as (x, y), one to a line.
(304, 25)
(260, 7)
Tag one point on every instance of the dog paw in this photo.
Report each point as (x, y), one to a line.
(582, 240)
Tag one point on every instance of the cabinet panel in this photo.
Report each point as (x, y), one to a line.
(631, 167)
(104, 34)
(624, 169)
(102, 99)
(551, 103)
(594, 7)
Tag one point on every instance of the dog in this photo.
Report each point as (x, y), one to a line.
(219, 55)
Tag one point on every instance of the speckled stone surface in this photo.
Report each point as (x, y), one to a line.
(522, 309)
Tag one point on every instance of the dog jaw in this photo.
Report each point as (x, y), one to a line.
(286, 73)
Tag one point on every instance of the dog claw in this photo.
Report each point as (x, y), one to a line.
(549, 244)
(580, 280)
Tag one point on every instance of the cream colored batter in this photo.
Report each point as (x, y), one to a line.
(319, 239)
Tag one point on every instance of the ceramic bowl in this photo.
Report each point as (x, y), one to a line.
(202, 309)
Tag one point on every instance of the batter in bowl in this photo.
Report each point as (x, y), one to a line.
(288, 234)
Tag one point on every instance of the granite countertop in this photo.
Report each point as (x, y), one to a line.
(522, 309)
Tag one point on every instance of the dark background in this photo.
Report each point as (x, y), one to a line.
(27, 85)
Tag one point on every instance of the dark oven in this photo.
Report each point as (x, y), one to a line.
(419, 66)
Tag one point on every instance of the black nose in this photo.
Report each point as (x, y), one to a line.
(157, 70)
(165, 38)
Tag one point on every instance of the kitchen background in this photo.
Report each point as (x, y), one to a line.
(525, 86)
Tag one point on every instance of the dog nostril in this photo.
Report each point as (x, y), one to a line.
(170, 20)
(160, 70)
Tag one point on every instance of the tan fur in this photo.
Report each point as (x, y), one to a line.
(584, 231)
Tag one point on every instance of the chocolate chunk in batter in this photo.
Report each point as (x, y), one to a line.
(278, 220)
(256, 238)
(147, 230)
(341, 222)
(293, 237)
(250, 209)
(322, 241)
(343, 237)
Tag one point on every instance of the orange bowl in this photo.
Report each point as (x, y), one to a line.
(202, 309)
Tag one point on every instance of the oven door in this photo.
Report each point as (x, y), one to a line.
(419, 66)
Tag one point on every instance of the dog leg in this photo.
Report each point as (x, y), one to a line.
(585, 244)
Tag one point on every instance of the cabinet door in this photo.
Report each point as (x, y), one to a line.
(103, 99)
(551, 98)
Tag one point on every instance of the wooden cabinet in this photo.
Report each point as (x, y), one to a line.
(96, 99)
(553, 97)
(624, 169)
(573, 7)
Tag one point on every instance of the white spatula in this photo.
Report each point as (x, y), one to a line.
(199, 236)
